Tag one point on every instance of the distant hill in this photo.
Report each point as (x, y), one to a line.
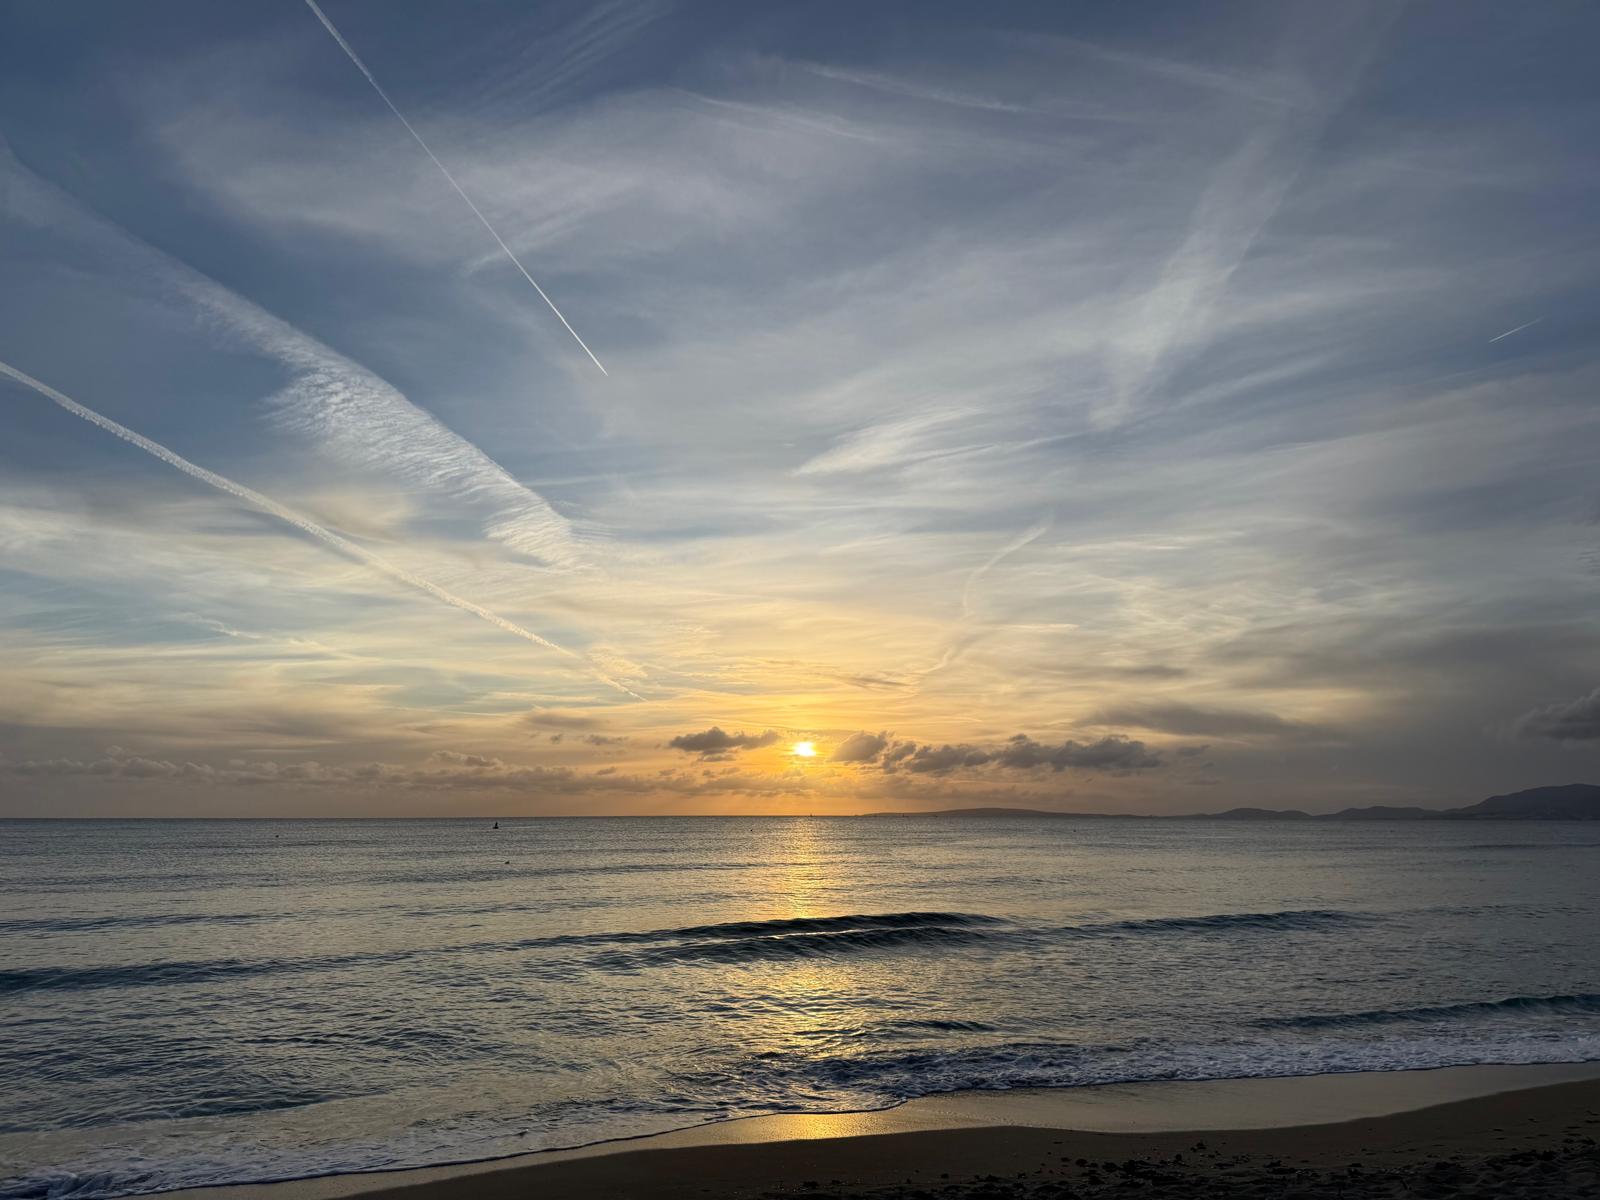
(1570, 802)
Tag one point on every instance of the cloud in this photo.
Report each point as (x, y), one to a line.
(1022, 753)
(859, 747)
(466, 760)
(1031, 534)
(715, 741)
(347, 410)
(444, 770)
(555, 718)
(1194, 721)
(892, 443)
(234, 772)
(1112, 753)
(1575, 721)
(871, 681)
(898, 753)
(1176, 312)
(273, 508)
(914, 89)
(336, 404)
(935, 760)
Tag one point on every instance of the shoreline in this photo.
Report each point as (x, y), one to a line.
(987, 1134)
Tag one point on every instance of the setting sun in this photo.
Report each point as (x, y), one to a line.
(804, 750)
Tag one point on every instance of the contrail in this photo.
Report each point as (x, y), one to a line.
(451, 179)
(287, 515)
(1509, 332)
(1010, 548)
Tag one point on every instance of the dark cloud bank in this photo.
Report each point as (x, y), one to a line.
(1575, 721)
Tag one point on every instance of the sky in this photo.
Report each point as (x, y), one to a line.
(826, 408)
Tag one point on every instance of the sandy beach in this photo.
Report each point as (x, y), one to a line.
(1467, 1132)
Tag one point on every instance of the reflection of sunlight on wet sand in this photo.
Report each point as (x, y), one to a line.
(1125, 1108)
(1160, 1106)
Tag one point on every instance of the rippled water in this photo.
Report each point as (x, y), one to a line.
(200, 1002)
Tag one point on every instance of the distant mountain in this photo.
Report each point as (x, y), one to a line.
(1570, 802)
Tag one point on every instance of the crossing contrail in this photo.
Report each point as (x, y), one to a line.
(1509, 332)
(449, 178)
(287, 515)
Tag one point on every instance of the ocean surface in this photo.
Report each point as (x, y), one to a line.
(193, 1002)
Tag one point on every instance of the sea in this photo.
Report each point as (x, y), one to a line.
(207, 1002)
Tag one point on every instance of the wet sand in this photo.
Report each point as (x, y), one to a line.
(1463, 1132)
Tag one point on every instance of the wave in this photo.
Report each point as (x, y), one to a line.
(734, 941)
(729, 942)
(1290, 919)
(796, 945)
(905, 920)
(937, 1025)
(1581, 1003)
(774, 927)
(826, 937)
(130, 921)
(778, 1082)
(39, 979)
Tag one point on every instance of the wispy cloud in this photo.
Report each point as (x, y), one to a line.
(1244, 193)
(1266, 87)
(914, 89)
(1027, 537)
(336, 405)
(287, 515)
(551, 63)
